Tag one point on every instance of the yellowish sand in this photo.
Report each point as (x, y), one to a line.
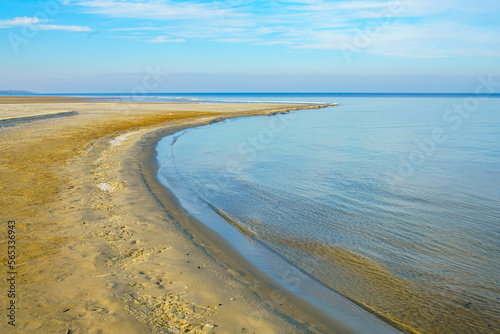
(101, 248)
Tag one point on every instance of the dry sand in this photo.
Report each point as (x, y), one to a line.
(101, 247)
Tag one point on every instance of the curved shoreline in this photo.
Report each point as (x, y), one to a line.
(99, 251)
(209, 241)
(325, 307)
(106, 246)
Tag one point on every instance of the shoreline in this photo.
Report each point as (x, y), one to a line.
(112, 258)
(209, 241)
(325, 306)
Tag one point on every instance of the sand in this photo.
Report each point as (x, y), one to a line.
(101, 246)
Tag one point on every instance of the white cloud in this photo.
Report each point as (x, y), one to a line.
(164, 39)
(19, 21)
(37, 23)
(138, 29)
(359, 5)
(236, 40)
(159, 10)
(62, 27)
(350, 10)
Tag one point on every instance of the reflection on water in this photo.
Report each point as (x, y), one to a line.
(383, 200)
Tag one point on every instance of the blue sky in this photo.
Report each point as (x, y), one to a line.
(67, 46)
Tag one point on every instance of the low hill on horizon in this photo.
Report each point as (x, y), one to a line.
(15, 92)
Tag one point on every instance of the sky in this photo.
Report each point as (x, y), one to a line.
(111, 46)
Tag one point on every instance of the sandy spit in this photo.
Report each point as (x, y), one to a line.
(100, 246)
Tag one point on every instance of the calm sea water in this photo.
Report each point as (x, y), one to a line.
(391, 201)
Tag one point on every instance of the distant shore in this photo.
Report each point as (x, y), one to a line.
(99, 247)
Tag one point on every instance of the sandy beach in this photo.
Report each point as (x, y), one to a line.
(100, 246)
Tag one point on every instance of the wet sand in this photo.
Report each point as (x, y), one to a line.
(101, 248)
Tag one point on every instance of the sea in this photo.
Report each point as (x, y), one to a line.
(391, 201)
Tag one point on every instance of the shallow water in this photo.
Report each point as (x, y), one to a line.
(393, 202)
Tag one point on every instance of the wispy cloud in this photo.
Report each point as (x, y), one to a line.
(19, 21)
(403, 28)
(236, 40)
(138, 29)
(62, 27)
(436, 39)
(39, 24)
(159, 10)
(406, 28)
(164, 39)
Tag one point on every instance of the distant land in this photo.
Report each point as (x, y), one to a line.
(15, 92)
